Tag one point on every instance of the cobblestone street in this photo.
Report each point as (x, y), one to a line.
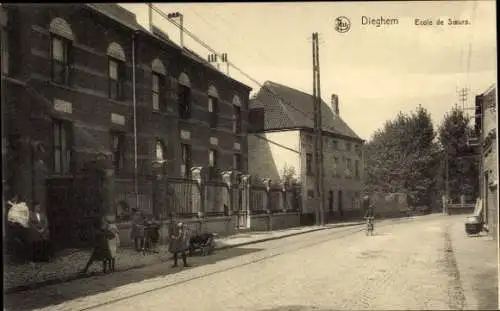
(408, 264)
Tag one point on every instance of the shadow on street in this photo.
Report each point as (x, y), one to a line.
(97, 283)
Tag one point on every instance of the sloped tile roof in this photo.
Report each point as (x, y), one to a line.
(285, 107)
(117, 13)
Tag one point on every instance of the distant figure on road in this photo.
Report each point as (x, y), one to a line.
(179, 243)
(368, 207)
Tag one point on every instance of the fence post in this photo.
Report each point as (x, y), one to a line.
(227, 179)
(267, 183)
(198, 202)
(245, 201)
(284, 199)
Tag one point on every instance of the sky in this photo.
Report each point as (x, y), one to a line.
(376, 71)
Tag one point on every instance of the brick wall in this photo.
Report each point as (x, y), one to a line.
(87, 92)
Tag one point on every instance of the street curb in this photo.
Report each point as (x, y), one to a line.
(284, 236)
(71, 278)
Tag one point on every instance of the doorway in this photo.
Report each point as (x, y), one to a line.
(330, 201)
(340, 199)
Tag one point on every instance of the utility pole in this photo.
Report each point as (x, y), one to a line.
(462, 97)
(318, 142)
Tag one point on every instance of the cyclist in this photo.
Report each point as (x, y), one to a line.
(369, 212)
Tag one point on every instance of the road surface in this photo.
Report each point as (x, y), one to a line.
(407, 264)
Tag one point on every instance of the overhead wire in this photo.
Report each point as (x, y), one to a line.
(231, 64)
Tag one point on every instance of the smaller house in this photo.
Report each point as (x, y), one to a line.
(486, 128)
(280, 144)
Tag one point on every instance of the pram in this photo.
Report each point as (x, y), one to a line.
(149, 234)
(204, 242)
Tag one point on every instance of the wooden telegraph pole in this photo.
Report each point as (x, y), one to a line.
(318, 142)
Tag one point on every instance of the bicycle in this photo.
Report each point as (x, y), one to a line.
(369, 225)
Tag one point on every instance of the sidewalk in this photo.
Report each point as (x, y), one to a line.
(68, 263)
(477, 262)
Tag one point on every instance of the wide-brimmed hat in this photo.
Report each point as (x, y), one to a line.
(180, 224)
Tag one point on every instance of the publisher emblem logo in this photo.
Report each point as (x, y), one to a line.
(342, 24)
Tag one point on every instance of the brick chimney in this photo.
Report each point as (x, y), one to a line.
(335, 104)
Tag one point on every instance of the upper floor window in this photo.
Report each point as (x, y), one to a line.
(213, 110)
(60, 60)
(348, 146)
(336, 166)
(356, 168)
(236, 115)
(335, 144)
(186, 160)
(158, 92)
(5, 50)
(236, 119)
(62, 132)
(184, 97)
(116, 71)
(116, 77)
(61, 41)
(309, 165)
(118, 150)
(158, 85)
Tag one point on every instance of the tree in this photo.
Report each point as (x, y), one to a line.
(400, 157)
(288, 174)
(463, 166)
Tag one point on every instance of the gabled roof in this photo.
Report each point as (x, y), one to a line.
(286, 108)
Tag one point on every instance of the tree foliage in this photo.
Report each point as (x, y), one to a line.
(463, 165)
(401, 156)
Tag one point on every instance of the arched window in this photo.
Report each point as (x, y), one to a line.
(116, 70)
(158, 85)
(61, 41)
(213, 106)
(184, 97)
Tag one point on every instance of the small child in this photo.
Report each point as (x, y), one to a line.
(102, 250)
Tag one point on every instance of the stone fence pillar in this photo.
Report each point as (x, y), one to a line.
(198, 194)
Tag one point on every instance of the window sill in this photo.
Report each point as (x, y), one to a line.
(59, 175)
(68, 86)
(118, 101)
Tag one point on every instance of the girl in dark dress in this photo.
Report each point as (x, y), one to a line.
(101, 250)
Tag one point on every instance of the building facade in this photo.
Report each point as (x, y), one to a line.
(86, 80)
(281, 144)
(486, 127)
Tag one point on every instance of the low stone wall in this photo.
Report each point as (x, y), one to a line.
(223, 226)
(460, 211)
(277, 221)
(284, 221)
(259, 222)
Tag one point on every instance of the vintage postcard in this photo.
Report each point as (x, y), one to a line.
(261, 156)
